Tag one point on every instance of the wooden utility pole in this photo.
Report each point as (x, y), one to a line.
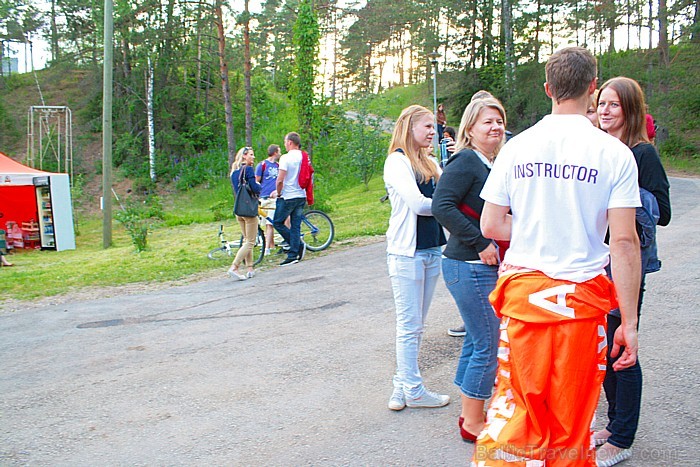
(107, 126)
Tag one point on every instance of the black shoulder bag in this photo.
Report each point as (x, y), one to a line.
(246, 204)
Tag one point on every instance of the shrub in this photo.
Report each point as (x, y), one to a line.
(137, 218)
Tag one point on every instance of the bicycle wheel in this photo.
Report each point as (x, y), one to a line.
(258, 248)
(218, 253)
(317, 230)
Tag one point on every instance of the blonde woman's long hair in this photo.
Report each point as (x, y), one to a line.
(238, 160)
(469, 118)
(402, 138)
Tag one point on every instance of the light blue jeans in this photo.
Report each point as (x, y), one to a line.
(413, 282)
(470, 285)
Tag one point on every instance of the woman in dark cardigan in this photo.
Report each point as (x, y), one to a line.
(470, 263)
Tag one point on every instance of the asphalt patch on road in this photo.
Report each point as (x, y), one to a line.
(153, 319)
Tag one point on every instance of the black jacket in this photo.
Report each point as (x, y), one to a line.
(652, 177)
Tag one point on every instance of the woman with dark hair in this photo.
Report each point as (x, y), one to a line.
(470, 261)
(622, 114)
(414, 241)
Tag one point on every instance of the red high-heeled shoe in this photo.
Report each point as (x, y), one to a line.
(466, 436)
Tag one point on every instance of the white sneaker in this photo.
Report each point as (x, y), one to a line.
(606, 458)
(600, 437)
(236, 275)
(429, 399)
(250, 274)
(397, 400)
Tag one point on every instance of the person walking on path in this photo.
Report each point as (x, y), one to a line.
(441, 120)
(266, 174)
(470, 261)
(565, 182)
(291, 199)
(414, 240)
(242, 168)
(621, 111)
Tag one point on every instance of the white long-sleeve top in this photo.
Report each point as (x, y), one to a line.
(407, 203)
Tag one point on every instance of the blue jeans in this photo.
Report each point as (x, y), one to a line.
(470, 285)
(623, 389)
(293, 209)
(413, 282)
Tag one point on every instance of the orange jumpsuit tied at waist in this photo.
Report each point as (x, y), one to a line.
(551, 364)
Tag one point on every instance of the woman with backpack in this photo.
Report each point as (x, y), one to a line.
(414, 241)
(622, 114)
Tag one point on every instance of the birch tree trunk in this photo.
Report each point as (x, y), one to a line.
(151, 125)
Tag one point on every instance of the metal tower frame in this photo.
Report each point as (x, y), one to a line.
(50, 134)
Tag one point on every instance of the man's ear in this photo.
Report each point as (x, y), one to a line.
(592, 87)
(547, 91)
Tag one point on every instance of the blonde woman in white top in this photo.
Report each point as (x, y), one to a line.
(414, 241)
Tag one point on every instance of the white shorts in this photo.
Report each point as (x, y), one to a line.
(268, 204)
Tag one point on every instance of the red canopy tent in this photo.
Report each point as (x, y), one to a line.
(17, 192)
(18, 200)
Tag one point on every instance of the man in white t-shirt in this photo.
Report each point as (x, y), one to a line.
(291, 199)
(565, 182)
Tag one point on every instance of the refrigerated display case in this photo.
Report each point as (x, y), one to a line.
(55, 212)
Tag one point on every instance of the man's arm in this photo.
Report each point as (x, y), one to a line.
(495, 221)
(626, 271)
(281, 174)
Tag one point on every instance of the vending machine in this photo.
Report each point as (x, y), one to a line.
(55, 212)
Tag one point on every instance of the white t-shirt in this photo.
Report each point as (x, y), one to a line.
(291, 162)
(559, 178)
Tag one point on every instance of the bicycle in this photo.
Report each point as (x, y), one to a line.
(229, 249)
(317, 229)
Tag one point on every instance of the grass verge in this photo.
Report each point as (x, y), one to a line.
(174, 252)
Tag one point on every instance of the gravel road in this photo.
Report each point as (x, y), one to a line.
(294, 368)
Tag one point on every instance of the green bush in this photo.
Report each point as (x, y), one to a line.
(138, 218)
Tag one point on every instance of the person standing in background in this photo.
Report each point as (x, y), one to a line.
(441, 120)
(592, 111)
(291, 199)
(266, 174)
(242, 168)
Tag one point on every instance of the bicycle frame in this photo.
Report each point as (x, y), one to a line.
(262, 213)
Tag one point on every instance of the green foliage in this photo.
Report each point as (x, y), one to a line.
(127, 153)
(391, 102)
(678, 152)
(9, 134)
(364, 145)
(77, 190)
(221, 210)
(306, 42)
(136, 226)
(137, 217)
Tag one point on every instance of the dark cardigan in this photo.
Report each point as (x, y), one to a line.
(461, 181)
